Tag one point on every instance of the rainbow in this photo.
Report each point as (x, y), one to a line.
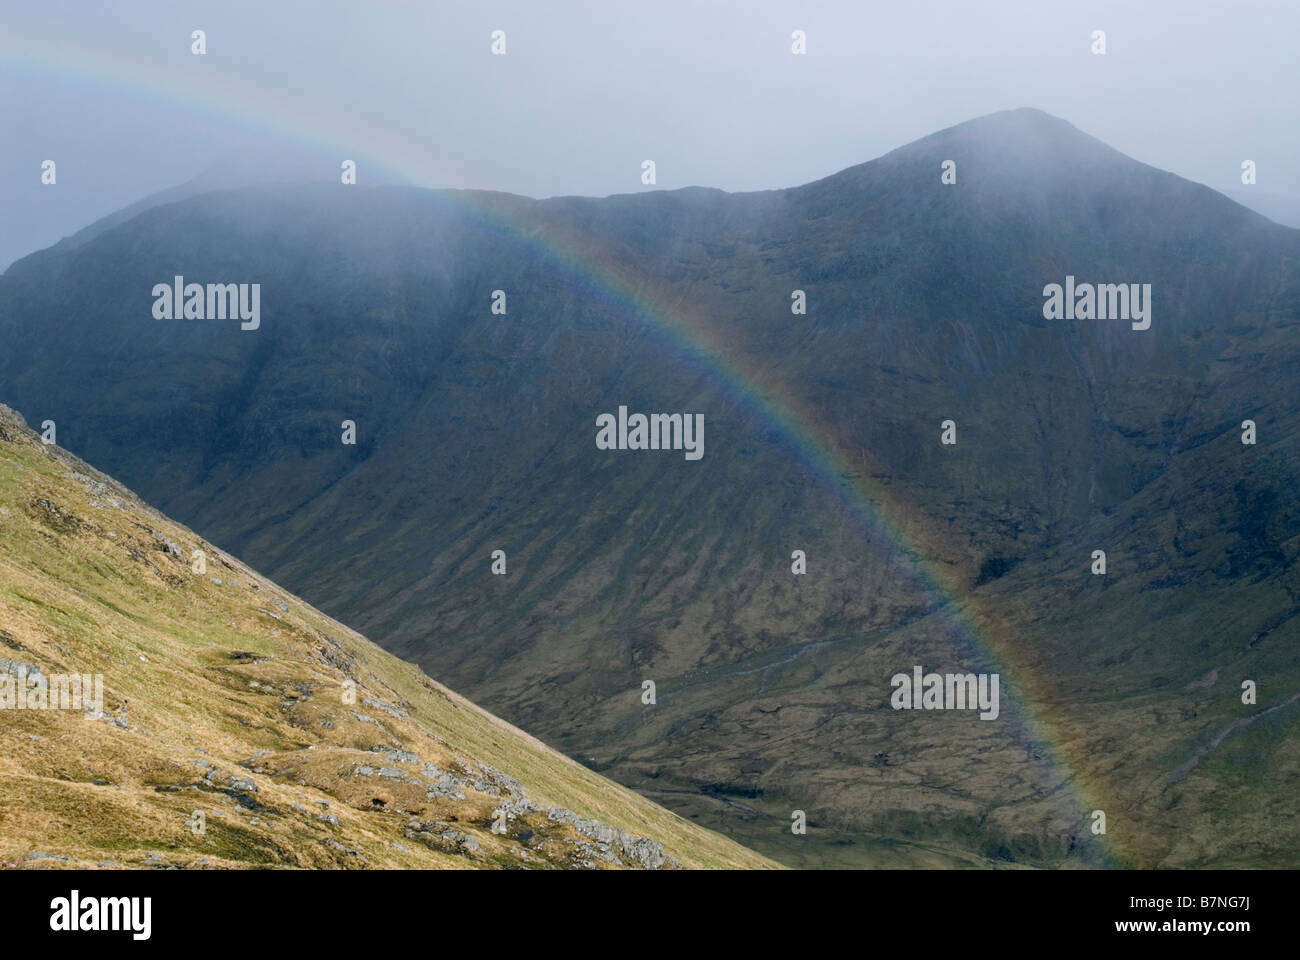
(184, 84)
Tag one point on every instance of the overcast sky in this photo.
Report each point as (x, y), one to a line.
(587, 90)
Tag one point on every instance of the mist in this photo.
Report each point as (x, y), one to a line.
(587, 91)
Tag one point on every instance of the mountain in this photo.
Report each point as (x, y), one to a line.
(925, 303)
(273, 166)
(1282, 208)
(299, 742)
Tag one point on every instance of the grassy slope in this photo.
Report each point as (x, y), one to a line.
(216, 673)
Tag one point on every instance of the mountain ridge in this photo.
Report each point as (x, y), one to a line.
(215, 180)
(925, 303)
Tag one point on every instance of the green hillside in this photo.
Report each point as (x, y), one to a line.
(300, 742)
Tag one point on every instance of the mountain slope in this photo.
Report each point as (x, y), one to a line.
(226, 695)
(476, 433)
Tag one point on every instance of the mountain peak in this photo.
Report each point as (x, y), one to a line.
(1010, 162)
(1025, 132)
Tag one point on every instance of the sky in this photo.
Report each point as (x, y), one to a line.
(586, 91)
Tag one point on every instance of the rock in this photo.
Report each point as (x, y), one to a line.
(395, 756)
(42, 855)
(19, 668)
(640, 850)
(393, 711)
(165, 544)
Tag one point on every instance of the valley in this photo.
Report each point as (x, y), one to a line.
(924, 303)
